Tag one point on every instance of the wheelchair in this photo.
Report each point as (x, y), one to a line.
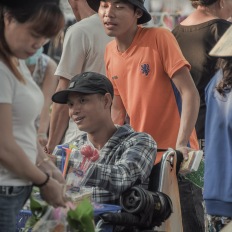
(155, 209)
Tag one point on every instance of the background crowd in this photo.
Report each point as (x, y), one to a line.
(162, 81)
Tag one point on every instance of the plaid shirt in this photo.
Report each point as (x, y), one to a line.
(125, 160)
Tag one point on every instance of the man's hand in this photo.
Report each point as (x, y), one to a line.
(57, 175)
(42, 138)
(47, 150)
(184, 151)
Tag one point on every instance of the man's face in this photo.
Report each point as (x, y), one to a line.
(88, 111)
(118, 17)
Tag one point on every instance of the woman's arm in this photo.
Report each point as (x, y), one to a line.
(45, 164)
(13, 158)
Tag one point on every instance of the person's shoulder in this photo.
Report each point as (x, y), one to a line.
(76, 32)
(6, 75)
(154, 36)
(130, 133)
(87, 28)
(76, 27)
(212, 27)
(155, 32)
(218, 27)
(5, 71)
(219, 22)
(3, 66)
(90, 22)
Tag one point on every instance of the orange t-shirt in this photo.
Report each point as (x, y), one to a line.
(142, 77)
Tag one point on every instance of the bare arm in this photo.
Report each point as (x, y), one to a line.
(47, 165)
(12, 156)
(118, 112)
(49, 86)
(14, 159)
(59, 119)
(190, 106)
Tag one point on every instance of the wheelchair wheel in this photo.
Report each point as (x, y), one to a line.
(132, 201)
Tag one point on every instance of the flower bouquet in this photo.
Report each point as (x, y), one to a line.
(70, 219)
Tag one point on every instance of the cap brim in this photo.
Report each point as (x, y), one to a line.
(61, 97)
(146, 17)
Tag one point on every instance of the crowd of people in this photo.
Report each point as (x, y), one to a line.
(123, 88)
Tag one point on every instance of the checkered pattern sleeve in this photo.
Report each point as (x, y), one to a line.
(130, 163)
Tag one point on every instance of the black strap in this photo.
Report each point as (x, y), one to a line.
(44, 183)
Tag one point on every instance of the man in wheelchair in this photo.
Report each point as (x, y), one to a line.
(126, 157)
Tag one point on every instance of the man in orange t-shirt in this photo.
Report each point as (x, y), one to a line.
(145, 86)
(151, 77)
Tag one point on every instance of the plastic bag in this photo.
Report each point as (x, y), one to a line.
(54, 220)
(78, 174)
(77, 165)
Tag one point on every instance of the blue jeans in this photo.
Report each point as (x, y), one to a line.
(191, 201)
(11, 202)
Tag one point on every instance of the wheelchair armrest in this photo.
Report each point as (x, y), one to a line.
(154, 178)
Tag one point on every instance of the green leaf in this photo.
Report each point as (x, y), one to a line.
(81, 219)
(30, 223)
(38, 207)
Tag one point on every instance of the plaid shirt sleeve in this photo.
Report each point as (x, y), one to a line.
(134, 160)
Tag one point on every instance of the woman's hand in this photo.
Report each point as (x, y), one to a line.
(54, 193)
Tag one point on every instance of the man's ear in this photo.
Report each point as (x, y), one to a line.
(7, 18)
(138, 13)
(221, 4)
(107, 100)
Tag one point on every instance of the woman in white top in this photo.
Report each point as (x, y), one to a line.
(25, 26)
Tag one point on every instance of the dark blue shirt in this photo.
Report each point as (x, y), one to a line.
(218, 150)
